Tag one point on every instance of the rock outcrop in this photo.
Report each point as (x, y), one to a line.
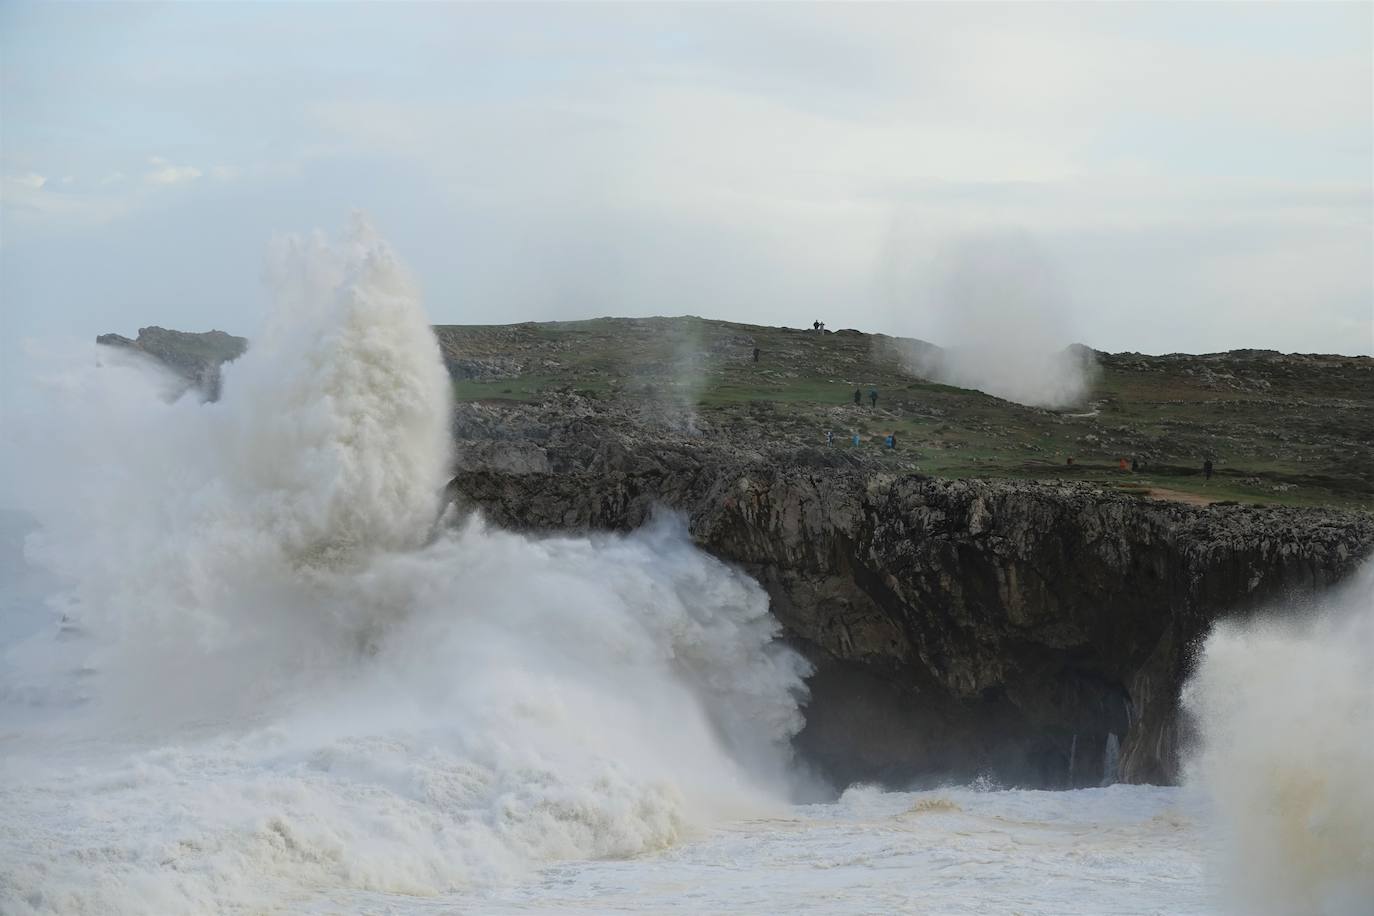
(1011, 629)
(197, 358)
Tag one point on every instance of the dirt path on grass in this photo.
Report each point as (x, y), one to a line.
(1179, 496)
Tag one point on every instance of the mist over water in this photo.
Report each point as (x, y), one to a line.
(1284, 707)
(268, 671)
(1001, 318)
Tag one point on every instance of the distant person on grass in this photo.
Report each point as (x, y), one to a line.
(855, 440)
(858, 396)
(756, 354)
(829, 437)
(1207, 469)
(873, 397)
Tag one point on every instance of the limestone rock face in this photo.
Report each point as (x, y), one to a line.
(965, 628)
(195, 357)
(1020, 630)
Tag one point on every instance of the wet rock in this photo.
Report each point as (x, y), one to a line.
(967, 627)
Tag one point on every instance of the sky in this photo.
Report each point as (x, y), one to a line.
(1195, 177)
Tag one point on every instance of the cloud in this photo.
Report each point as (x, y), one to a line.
(165, 173)
(31, 180)
(805, 209)
(1196, 187)
(29, 204)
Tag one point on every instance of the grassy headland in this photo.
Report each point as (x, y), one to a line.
(1286, 429)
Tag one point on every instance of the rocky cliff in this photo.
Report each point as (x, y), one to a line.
(1037, 633)
(1033, 630)
(196, 357)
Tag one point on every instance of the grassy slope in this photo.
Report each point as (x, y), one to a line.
(1281, 430)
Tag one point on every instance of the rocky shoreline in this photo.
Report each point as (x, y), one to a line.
(1009, 629)
(1035, 632)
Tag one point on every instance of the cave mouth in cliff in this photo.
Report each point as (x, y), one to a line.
(877, 728)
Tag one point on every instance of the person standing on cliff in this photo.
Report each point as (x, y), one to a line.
(756, 354)
(1207, 469)
(858, 397)
(873, 397)
(829, 437)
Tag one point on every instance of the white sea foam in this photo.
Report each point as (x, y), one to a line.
(278, 677)
(1285, 711)
(952, 852)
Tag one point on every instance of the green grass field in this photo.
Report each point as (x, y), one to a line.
(1297, 431)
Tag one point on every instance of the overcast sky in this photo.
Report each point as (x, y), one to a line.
(1198, 177)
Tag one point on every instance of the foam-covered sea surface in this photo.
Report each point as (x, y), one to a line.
(1121, 849)
(250, 662)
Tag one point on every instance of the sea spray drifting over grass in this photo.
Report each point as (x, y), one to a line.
(286, 679)
(1000, 313)
(1285, 713)
(670, 373)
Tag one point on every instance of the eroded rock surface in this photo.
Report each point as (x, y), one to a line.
(196, 357)
(1014, 628)
(975, 627)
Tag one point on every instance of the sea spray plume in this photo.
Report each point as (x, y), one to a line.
(329, 445)
(1000, 311)
(689, 368)
(542, 700)
(290, 682)
(670, 372)
(1284, 710)
(356, 453)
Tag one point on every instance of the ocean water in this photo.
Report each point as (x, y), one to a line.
(250, 662)
(1123, 849)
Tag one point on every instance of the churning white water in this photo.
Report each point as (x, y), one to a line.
(247, 666)
(274, 673)
(1285, 709)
